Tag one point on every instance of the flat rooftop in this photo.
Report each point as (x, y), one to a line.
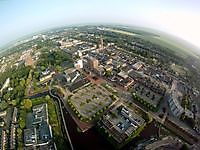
(121, 122)
(40, 113)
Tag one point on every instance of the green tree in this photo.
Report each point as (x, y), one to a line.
(22, 82)
(13, 102)
(58, 68)
(22, 123)
(47, 97)
(3, 105)
(27, 103)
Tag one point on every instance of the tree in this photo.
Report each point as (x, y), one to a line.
(19, 132)
(22, 82)
(43, 68)
(47, 97)
(58, 68)
(3, 105)
(37, 75)
(6, 96)
(22, 123)
(13, 102)
(27, 103)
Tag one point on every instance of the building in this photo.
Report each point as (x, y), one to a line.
(14, 116)
(123, 75)
(39, 132)
(109, 62)
(75, 79)
(3, 113)
(175, 102)
(123, 81)
(38, 136)
(108, 68)
(13, 130)
(116, 64)
(79, 54)
(30, 137)
(5, 85)
(138, 65)
(175, 107)
(93, 63)
(101, 44)
(13, 137)
(78, 64)
(100, 71)
(46, 77)
(3, 139)
(123, 125)
(40, 114)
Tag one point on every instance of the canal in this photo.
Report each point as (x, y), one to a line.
(93, 140)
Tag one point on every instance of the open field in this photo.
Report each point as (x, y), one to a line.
(178, 46)
(120, 31)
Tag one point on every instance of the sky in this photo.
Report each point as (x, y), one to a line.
(177, 17)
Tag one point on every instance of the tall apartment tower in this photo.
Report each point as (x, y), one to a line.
(94, 63)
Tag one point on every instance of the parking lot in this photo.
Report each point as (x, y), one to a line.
(91, 99)
(147, 94)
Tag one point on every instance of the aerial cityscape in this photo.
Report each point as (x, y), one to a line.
(99, 75)
(98, 87)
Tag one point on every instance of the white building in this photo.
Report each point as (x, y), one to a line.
(6, 84)
(175, 107)
(138, 65)
(78, 64)
(47, 77)
(175, 100)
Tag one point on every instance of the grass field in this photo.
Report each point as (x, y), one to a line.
(119, 31)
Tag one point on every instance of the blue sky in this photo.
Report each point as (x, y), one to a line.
(178, 17)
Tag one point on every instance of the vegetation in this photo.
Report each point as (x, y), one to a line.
(18, 77)
(145, 103)
(55, 123)
(3, 105)
(27, 103)
(186, 102)
(54, 119)
(53, 58)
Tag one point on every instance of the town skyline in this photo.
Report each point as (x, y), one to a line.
(20, 18)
